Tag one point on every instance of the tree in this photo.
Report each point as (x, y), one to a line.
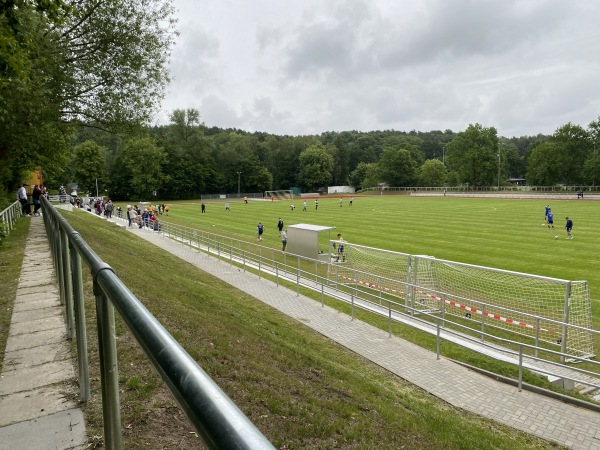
(432, 173)
(256, 177)
(591, 169)
(561, 159)
(114, 60)
(397, 167)
(98, 63)
(184, 123)
(316, 166)
(339, 150)
(543, 167)
(142, 162)
(594, 134)
(365, 175)
(572, 146)
(592, 164)
(473, 154)
(88, 163)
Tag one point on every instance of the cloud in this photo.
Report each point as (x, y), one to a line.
(220, 112)
(303, 67)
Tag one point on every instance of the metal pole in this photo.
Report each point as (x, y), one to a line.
(80, 325)
(520, 367)
(483, 323)
(239, 173)
(109, 373)
(59, 264)
(563, 342)
(66, 274)
(437, 340)
(498, 170)
(390, 318)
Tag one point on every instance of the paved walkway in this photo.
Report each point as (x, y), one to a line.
(37, 406)
(547, 418)
(33, 405)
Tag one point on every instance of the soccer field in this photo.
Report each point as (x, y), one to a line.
(501, 233)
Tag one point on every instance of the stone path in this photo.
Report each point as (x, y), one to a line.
(38, 407)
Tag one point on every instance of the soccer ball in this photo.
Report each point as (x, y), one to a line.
(543, 224)
(555, 237)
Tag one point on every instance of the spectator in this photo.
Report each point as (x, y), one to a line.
(22, 197)
(37, 192)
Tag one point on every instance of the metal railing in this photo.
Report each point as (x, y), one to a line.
(8, 217)
(218, 421)
(573, 190)
(320, 276)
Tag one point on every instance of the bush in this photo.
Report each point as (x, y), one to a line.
(3, 232)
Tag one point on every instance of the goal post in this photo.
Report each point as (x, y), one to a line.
(281, 194)
(550, 310)
(546, 309)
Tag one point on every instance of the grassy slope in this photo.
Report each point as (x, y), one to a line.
(11, 259)
(302, 390)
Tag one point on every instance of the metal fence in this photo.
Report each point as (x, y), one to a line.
(325, 278)
(573, 190)
(8, 216)
(218, 421)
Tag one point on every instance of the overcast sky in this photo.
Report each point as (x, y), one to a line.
(309, 66)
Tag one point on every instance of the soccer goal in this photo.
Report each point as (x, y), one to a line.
(281, 194)
(544, 309)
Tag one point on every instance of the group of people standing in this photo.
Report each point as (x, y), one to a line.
(148, 217)
(22, 197)
(549, 219)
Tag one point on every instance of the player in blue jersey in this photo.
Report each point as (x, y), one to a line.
(260, 228)
(569, 227)
(546, 214)
(550, 219)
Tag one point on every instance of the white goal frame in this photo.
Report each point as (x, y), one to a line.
(555, 311)
(281, 194)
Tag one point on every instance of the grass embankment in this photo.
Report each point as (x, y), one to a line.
(11, 260)
(301, 389)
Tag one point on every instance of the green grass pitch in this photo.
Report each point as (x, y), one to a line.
(501, 233)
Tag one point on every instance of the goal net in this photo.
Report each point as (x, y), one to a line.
(280, 195)
(544, 309)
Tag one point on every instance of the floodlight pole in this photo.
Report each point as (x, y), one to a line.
(444, 155)
(500, 146)
(498, 170)
(239, 173)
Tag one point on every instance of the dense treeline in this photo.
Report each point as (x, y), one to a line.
(185, 159)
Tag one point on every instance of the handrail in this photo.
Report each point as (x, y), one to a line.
(9, 215)
(218, 421)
